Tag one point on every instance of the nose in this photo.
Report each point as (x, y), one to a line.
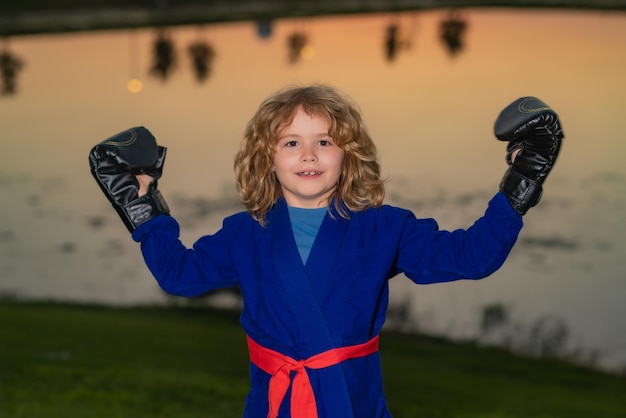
(308, 154)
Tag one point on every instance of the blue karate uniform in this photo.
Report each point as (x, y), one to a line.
(338, 298)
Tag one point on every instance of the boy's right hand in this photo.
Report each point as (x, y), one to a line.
(127, 167)
(144, 181)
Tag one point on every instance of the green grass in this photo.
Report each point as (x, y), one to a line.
(70, 361)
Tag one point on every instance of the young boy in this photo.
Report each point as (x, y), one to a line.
(316, 247)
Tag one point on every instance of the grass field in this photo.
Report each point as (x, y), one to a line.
(67, 361)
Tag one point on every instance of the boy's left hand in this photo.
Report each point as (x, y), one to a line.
(534, 134)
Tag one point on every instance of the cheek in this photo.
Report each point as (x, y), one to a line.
(280, 164)
(275, 161)
(340, 160)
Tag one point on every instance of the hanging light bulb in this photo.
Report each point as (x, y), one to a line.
(299, 47)
(202, 55)
(10, 65)
(134, 84)
(452, 30)
(398, 38)
(307, 52)
(164, 56)
(264, 29)
(391, 42)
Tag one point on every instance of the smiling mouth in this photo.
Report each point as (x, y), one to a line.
(309, 173)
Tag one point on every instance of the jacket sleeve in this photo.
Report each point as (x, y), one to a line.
(428, 255)
(185, 271)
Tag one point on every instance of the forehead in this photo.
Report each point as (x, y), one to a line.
(305, 119)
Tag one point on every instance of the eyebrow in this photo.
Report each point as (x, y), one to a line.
(294, 135)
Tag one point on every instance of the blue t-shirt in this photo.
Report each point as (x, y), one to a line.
(305, 223)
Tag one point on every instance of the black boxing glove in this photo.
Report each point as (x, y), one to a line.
(532, 127)
(114, 164)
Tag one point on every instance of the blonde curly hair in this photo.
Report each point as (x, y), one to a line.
(360, 186)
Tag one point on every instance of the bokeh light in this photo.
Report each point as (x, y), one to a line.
(134, 85)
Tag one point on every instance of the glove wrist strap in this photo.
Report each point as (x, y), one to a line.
(144, 208)
(522, 192)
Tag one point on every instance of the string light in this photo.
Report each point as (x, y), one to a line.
(452, 30)
(134, 84)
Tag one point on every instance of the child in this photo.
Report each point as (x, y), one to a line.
(315, 250)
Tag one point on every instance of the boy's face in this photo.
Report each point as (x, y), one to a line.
(307, 162)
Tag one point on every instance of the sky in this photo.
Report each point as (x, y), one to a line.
(431, 115)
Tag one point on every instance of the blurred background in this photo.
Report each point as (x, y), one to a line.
(430, 82)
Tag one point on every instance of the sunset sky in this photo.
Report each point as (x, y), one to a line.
(430, 114)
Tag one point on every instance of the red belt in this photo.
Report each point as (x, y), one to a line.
(280, 367)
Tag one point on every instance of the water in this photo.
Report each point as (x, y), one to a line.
(431, 115)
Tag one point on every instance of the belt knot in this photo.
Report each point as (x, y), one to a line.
(280, 366)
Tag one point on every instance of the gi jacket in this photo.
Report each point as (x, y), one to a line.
(338, 298)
